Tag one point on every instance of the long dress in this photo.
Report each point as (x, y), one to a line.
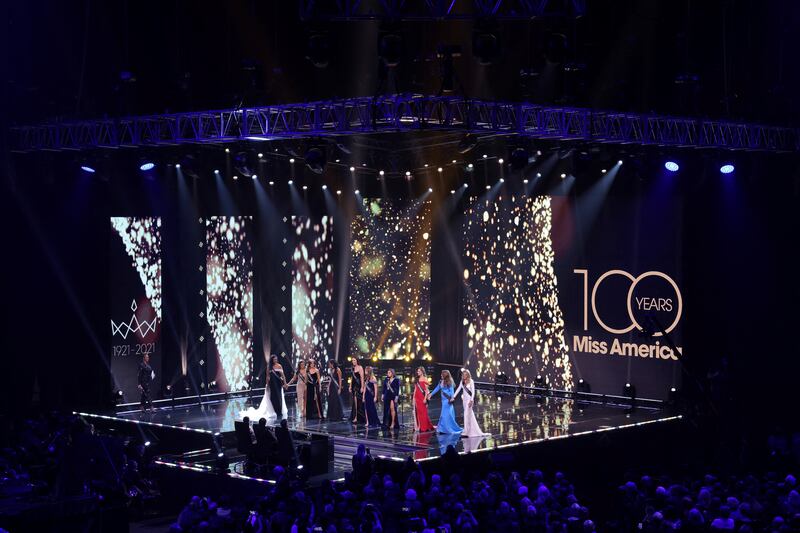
(391, 391)
(369, 405)
(313, 401)
(276, 394)
(335, 405)
(447, 420)
(264, 409)
(422, 421)
(357, 412)
(471, 427)
(300, 392)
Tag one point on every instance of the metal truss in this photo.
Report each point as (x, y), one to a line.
(421, 10)
(404, 113)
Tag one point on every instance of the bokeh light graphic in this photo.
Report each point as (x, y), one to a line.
(229, 304)
(390, 276)
(142, 240)
(312, 289)
(512, 318)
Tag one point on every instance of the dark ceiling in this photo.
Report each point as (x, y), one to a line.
(90, 58)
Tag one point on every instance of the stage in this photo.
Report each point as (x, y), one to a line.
(185, 433)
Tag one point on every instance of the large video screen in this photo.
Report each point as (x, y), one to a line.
(390, 273)
(312, 289)
(229, 301)
(512, 318)
(135, 280)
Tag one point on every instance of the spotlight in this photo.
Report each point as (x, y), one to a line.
(538, 174)
(177, 165)
(245, 163)
(672, 166)
(291, 182)
(381, 173)
(316, 160)
(500, 161)
(583, 386)
(525, 181)
(88, 169)
(408, 174)
(235, 177)
(358, 192)
(619, 162)
(488, 187)
(216, 171)
(439, 169)
(291, 160)
(338, 192)
(305, 187)
(485, 156)
(430, 189)
(563, 175)
(502, 180)
(452, 191)
(324, 187)
(260, 155)
(149, 165)
(147, 443)
(272, 183)
(352, 169)
(255, 177)
(727, 168)
(604, 171)
(465, 185)
(454, 161)
(672, 395)
(629, 391)
(470, 166)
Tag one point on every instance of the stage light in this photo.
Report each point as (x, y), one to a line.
(147, 443)
(452, 191)
(255, 176)
(502, 180)
(465, 185)
(177, 165)
(381, 172)
(324, 187)
(358, 192)
(305, 187)
(470, 166)
(426, 165)
(408, 174)
(629, 391)
(727, 168)
(563, 175)
(291, 160)
(619, 162)
(147, 165)
(538, 152)
(291, 182)
(525, 181)
(672, 166)
(235, 177)
(485, 156)
(216, 171)
(260, 155)
(488, 187)
(338, 192)
(539, 381)
(363, 164)
(500, 161)
(604, 171)
(439, 169)
(87, 168)
(352, 169)
(272, 183)
(454, 161)
(538, 174)
(583, 386)
(501, 379)
(338, 160)
(374, 358)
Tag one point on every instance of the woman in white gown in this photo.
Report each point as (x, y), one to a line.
(273, 391)
(467, 390)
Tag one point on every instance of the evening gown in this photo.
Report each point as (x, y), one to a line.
(421, 420)
(369, 405)
(276, 394)
(335, 406)
(300, 393)
(357, 412)
(471, 427)
(391, 391)
(264, 409)
(314, 403)
(447, 420)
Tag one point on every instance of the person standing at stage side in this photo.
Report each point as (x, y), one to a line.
(335, 406)
(357, 387)
(370, 398)
(421, 420)
(447, 420)
(277, 382)
(391, 392)
(301, 378)
(313, 392)
(467, 388)
(145, 379)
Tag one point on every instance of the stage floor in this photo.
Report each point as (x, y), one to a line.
(510, 419)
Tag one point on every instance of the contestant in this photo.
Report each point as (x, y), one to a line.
(265, 409)
(357, 386)
(277, 382)
(335, 406)
(447, 420)
(313, 392)
(467, 387)
(145, 378)
(391, 392)
(421, 420)
(370, 398)
(301, 378)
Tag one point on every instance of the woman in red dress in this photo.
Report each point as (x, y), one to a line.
(421, 420)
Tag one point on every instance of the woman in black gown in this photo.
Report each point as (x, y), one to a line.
(313, 390)
(371, 398)
(335, 405)
(277, 383)
(357, 391)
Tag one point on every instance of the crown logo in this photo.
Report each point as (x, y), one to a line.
(123, 329)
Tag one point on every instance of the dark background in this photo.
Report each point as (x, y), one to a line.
(67, 61)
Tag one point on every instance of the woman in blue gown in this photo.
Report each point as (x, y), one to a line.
(371, 398)
(447, 419)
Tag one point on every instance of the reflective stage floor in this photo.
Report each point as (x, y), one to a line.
(511, 419)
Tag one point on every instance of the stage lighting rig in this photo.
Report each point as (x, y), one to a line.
(629, 391)
(245, 163)
(390, 48)
(583, 386)
(520, 158)
(318, 49)
(316, 159)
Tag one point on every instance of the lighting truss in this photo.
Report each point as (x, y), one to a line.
(437, 10)
(404, 113)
